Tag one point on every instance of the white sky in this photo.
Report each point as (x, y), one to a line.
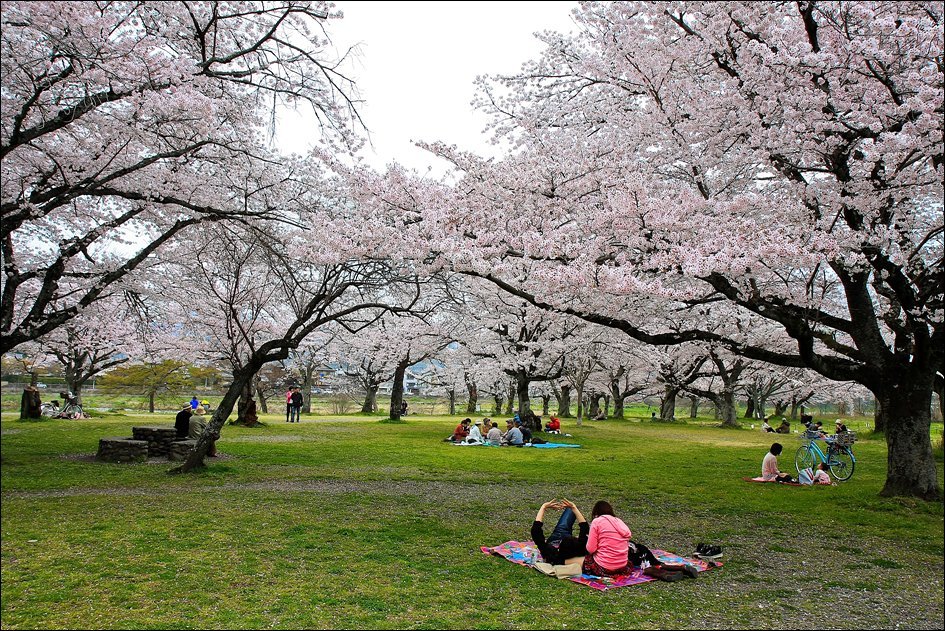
(417, 64)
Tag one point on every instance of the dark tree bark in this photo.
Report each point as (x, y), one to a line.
(510, 401)
(246, 408)
(521, 392)
(451, 395)
(881, 411)
(910, 462)
(693, 407)
(750, 408)
(545, 400)
(397, 392)
(30, 403)
(151, 401)
(370, 400)
(498, 399)
(668, 403)
(472, 396)
(564, 402)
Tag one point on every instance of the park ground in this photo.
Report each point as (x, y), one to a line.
(348, 522)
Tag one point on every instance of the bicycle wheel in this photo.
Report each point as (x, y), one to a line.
(804, 458)
(841, 463)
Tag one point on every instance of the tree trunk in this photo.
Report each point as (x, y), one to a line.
(580, 405)
(498, 398)
(397, 391)
(246, 409)
(594, 406)
(262, 399)
(473, 397)
(195, 459)
(510, 401)
(307, 379)
(370, 400)
(545, 399)
(151, 401)
(780, 407)
(30, 403)
(521, 392)
(726, 408)
(693, 407)
(618, 407)
(880, 412)
(607, 405)
(564, 402)
(907, 410)
(668, 403)
(750, 407)
(452, 398)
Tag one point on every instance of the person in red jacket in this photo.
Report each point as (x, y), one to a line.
(554, 425)
(461, 431)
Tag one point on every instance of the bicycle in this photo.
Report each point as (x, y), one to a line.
(71, 410)
(839, 457)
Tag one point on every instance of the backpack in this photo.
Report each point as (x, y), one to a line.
(806, 476)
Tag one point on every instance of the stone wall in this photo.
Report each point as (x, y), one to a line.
(122, 449)
(158, 437)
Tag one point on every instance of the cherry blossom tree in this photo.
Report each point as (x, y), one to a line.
(778, 160)
(104, 336)
(124, 125)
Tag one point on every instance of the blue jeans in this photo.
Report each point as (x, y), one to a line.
(564, 528)
(294, 413)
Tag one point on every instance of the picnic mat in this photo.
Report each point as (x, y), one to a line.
(763, 481)
(514, 551)
(555, 445)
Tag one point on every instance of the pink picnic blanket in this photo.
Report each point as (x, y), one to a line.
(514, 551)
(763, 481)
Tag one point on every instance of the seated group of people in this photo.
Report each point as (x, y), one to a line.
(190, 423)
(487, 432)
(602, 548)
(783, 428)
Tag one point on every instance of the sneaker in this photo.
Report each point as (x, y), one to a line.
(711, 552)
(700, 548)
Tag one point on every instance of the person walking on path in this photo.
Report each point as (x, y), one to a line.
(295, 405)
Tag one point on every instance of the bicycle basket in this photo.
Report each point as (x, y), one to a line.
(845, 439)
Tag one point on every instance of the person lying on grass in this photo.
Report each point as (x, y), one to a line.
(562, 547)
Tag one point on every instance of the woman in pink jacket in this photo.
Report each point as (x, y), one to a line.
(607, 543)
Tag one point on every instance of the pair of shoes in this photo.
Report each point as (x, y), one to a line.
(706, 552)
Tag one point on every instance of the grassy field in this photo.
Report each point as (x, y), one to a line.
(353, 523)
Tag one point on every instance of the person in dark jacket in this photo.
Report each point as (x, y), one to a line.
(182, 422)
(562, 544)
(295, 403)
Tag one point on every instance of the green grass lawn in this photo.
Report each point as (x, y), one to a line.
(357, 524)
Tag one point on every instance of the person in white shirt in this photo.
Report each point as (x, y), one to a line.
(494, 437)
(475, 434)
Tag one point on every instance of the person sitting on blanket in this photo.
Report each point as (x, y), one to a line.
(514, 437)
(461, 431)
(526, 433)
(562, 546)
(784, 427)
(765, 427)
(607, 543)
(769, 466)
(494, 437)
(475, 434)
(821, 476)
(553, 426)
